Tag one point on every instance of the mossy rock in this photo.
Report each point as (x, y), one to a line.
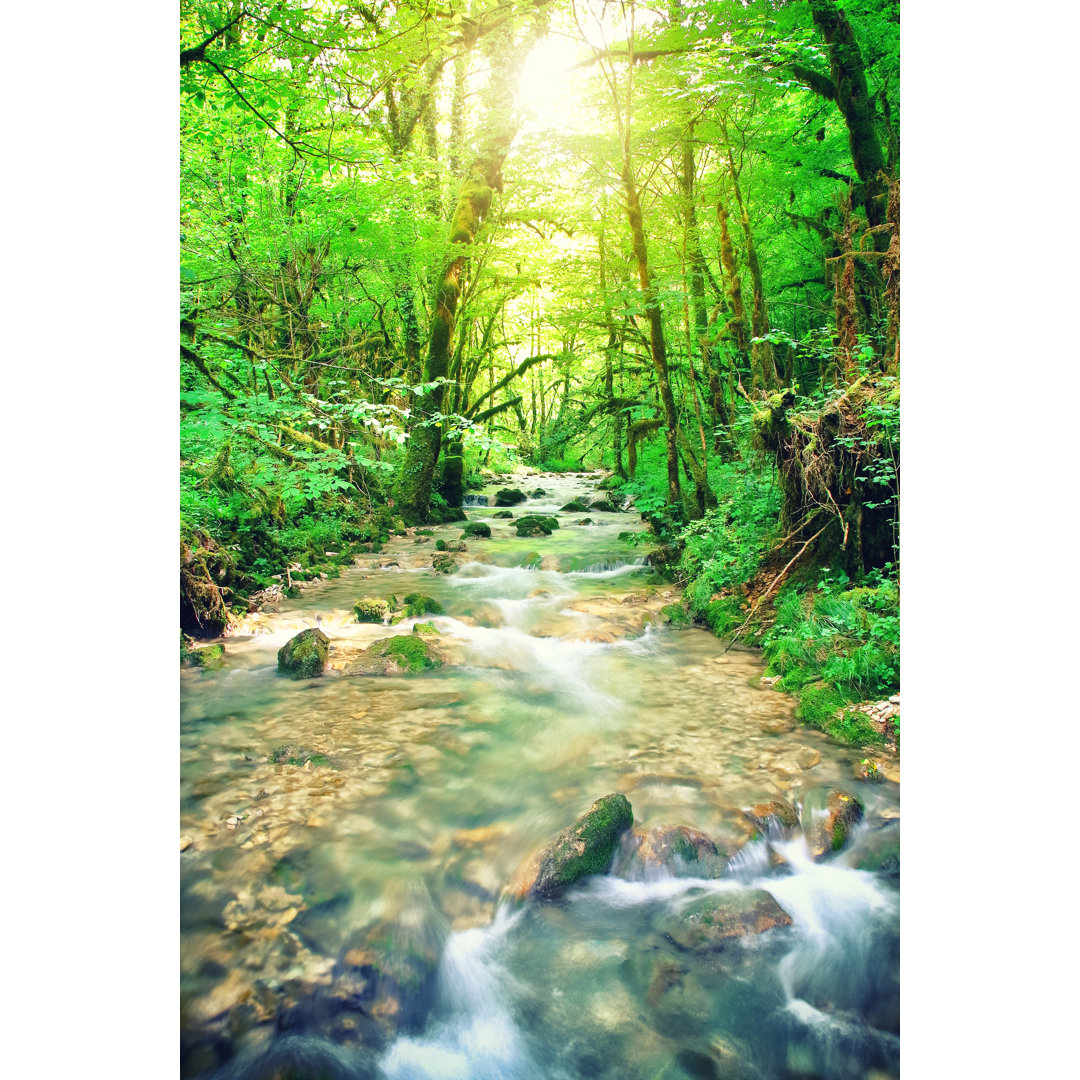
(583, 521)
(419, 604)
(675, 615)
(371, 609)
(503, 514)
(476, 528)
(509, 497)
(610, 483)
(828, 818)
(304, 656)
(575, 506)
(456, 545)
(537, 493)
(536, 525)
(425, 628)
(709, 923)
(424, 532)
(605, 506)
(443, 564)
(440, 545)
(210, 657)
(410, 653)
(293, 754)
(587, 847)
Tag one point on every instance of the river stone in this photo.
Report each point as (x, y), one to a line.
(646, 854)
(828, 817)
(575, 506)
(503, 514)
(878, 851)
(509, 497)
(707, 924)
(419, 604)
(585, 848)
(775, 815)
(537, 493)
(604, 505)
(371, 609)
(398, 655)
(443, 564)
(476, 528)
(304, 655)
(210, 657)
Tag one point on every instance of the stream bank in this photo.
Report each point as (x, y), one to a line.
(348, 839)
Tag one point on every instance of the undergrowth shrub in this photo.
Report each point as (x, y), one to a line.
(836, 644)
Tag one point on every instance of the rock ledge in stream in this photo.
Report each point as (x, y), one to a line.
(586, 847)
(396, 656)
(304, 656)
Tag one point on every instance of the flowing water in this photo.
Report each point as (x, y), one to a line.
(344, 917)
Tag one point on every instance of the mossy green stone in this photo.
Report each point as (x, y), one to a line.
(443, 564)
(371, 609)
(476, 528)
(587, 847)
(410, 652)
(304, 656)
(419, 604)
(211, 657)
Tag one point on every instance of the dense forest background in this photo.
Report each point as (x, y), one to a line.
(421, 246)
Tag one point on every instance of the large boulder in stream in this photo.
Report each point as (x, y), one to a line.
(443, 564)
(828, 817)
(371, 609)
(305, 655)
(509, 497)
(476, 528)
(709, 923)
(586, 847)
(536, 525)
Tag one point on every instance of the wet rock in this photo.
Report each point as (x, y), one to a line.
(539, 593)
(304, 656)
(775, 816)
(585, 848)
(210, 657)
(575, 506)
(583, 521)
(605, 506)
(371, 609)
(389, 970)
(293, 754)
(636, 598)
(185, 842)
(777, 725)
(828, 817)
(443, 564)
(426, 628)
(476, 528)
(456, 545)
(416, 604)
(536, 525)
(710, 922)
(537, 493)
(503, 514)
(878, 851)
(396, 656)
(509, 497)
(678, 850)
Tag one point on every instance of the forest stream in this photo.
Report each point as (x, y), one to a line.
(346, 915)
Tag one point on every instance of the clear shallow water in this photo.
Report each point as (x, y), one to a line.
(436, 788)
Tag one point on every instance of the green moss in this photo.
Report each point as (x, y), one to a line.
(676, 615)
(443, 564)
(210, 657)
(419, 604)
(371, 609)
(575, 506)
(424, 628)
(292, 754)
(504, 514)
(412, 653)
(440, 545)
(304, 656)
(476, 528)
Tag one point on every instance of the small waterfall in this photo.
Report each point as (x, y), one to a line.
(476, 500)
(473, 1036)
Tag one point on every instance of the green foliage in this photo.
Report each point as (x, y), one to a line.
(724, 548)
(837, 644)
